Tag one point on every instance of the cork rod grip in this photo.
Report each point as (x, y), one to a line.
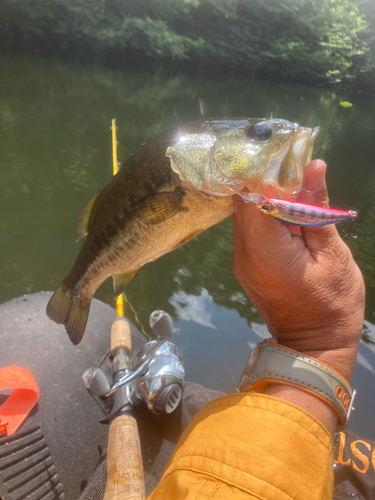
(124, 461)
(120, 336)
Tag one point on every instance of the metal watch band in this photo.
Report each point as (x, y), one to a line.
(272, 363)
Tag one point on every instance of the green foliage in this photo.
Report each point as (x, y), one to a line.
(346, 104)
(99, 25)
(315, 41)
(366, 66)
(312, 41)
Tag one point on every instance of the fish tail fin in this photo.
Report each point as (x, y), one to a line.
(64, 310)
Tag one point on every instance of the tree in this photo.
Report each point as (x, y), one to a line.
(314, 41)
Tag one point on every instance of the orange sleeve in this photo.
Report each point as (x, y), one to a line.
(245, 446)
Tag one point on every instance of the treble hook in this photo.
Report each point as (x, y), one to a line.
(349, 231)
(294, 195)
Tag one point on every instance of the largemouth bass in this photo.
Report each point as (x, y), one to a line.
(173, 188)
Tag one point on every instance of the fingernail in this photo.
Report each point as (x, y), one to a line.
(317, 178)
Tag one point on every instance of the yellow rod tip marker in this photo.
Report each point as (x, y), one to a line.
(120, 298)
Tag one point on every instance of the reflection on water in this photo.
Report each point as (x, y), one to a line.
(55, 155)
(193, 308)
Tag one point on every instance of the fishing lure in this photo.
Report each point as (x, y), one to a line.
(301, 214)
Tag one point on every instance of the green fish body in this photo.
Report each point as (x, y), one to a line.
(173, 188)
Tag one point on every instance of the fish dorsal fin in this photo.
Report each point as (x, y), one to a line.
(82, 227)
(122, 281)
(161, 206)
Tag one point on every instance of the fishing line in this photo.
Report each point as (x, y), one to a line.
(136, 318)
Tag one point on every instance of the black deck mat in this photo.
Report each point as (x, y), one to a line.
(27, 469)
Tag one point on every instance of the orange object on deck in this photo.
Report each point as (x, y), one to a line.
(22, 400)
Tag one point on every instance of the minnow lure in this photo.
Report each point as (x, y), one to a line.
(300, 214)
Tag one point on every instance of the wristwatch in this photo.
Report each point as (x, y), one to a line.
(272, 363)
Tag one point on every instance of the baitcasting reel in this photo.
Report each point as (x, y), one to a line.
(154, 375)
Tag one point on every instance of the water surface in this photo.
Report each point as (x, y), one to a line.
(55, 154)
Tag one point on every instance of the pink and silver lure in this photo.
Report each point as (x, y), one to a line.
(300, 214)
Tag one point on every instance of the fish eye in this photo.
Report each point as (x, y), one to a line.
(259, 132)
(265, 208)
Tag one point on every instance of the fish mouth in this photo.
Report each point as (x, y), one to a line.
(302, 147)
(285, 166)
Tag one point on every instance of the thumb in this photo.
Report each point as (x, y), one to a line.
(315, 193)
(314, 188)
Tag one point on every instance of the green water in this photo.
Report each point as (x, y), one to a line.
(55, 154)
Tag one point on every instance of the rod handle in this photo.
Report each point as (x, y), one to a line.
(120, 336)
(124, 461)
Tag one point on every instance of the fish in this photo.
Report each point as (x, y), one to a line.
(170, 190)
(300, 214)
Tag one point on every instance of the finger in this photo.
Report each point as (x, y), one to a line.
(258, 229)
(314, 184)
(319, 238)
(314, 189)
(293, 229)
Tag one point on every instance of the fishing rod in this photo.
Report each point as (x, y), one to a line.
(153, 374)
(124, 463)
(120, 298)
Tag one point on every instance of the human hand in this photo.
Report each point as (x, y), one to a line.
(308, 289)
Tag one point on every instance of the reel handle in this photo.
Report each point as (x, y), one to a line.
(124, 458)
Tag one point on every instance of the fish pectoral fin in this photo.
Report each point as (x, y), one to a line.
(82, 227)
(122, 281)
(162, 206)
